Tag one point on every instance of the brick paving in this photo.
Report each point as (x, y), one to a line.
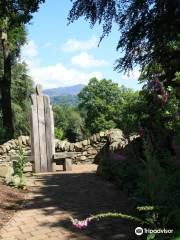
(80, 193)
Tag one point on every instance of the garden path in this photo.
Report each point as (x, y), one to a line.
(79, 193)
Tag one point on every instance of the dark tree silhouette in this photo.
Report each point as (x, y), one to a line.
(13, 15)
(149, 30)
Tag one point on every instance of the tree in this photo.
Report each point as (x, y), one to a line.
(13, 15)
(21, 90)
(100, 100)
(68, 123)
(149, 30)
(130, 111)
(16, 38)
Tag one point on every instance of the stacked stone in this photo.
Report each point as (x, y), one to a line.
(116, 140)
(84, 151)
(10, 149)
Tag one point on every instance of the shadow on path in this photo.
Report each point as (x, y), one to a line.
(81, 195)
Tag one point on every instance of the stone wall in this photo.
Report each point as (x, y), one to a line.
(88, 150)
(84, 151)
(10, 149)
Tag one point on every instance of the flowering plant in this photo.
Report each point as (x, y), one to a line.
(84, 223)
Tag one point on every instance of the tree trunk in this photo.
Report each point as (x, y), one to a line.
(6, 88)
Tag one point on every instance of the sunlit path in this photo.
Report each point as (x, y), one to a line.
(80, 193)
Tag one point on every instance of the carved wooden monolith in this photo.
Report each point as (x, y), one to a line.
(42, 131)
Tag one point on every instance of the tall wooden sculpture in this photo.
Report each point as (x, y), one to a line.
(42, 132)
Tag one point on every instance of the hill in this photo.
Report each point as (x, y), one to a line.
(71, 90)
(64, 95)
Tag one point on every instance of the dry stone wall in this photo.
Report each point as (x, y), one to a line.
(88, 150)
(10, 149)
(84, 151)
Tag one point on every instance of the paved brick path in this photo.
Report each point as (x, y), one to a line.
(54, 197)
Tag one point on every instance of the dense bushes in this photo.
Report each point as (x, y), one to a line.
(21, 89)
(105, 105)
(68, 123)
(151, 175)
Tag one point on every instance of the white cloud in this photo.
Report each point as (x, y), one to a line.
(56, 75)
(73, 45)
(29, 54)
(29, 50)
(86, 60)
(48, 45)
(59, 75)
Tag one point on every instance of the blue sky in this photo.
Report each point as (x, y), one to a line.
(60, 55)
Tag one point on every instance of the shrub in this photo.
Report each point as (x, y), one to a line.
(18, 179)
(59, 133)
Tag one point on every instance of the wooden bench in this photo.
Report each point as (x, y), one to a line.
(61, 158)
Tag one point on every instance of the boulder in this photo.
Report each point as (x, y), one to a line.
(67, 146)
(71, 147)
(6, 171)
(92, 151)
(78, 146)
(102, 134)
(82, 158)
(85, 143)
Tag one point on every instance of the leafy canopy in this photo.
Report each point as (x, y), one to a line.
(21, 89)
(68, 123)
(149, 29)
(102, 102)
(17, 12)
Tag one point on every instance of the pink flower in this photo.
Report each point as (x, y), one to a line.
(80, 224)
(141, 132)
(165, 96)
(157, 83)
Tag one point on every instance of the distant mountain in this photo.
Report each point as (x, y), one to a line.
(64, 95)
(71, 90)
(65, 99)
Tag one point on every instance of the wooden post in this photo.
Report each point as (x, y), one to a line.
(49, 127)
(67, 166)
(35, 135)
(42, 131)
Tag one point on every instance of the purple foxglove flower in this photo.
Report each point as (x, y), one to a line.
(165, 96)
(81, 224)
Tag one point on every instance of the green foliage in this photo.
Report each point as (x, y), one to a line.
(160, 115)
(21, 89)
(65, 100)
(14, 13)
(177, 236)
(100, 216)
(159, 187)
(18, 179)
(115, 215)
(3, 132)
(149, 37)
(152, 182)
(101, 123)
(59, 134)
(105, 105)
(151, 236)
(13, 17)
(149, 30)
(129, 112)
(68, 119)
(19, 168)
